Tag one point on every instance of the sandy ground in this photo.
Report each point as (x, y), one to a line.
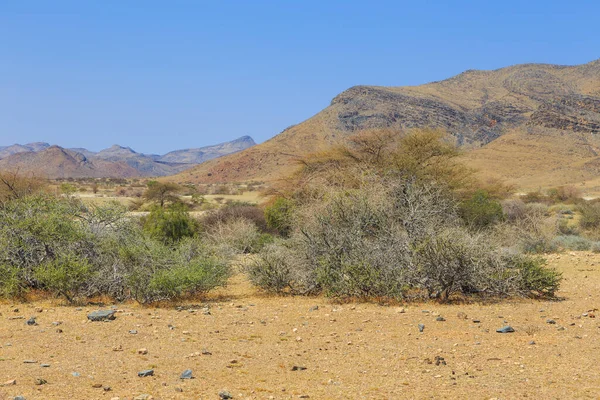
(350, 351)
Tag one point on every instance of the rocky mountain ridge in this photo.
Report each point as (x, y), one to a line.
(117, 161)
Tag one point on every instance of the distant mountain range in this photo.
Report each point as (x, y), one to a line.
(51, 161)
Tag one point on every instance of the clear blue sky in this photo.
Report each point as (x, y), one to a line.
(163, 75)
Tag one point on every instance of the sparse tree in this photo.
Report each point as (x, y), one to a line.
(162, 193)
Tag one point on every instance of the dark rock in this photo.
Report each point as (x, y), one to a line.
(505, 329)
(148, 372)
(40, 381)
(102, 315)
(421, 327)
(187, 374)
(225, 395)
(313, 308)
(297, 368)
(532, 343)
(551, 321)
(31, 321)
(45, 365)
(440, 319)
(19, 398)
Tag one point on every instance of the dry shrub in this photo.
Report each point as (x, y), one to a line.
(14, 185)
(532, 230)
(400, 241)
(234, 211)
(514, 210)
(234, 236)
(378, 218)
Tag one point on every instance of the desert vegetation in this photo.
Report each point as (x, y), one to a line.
(397, 216)
(388, 216)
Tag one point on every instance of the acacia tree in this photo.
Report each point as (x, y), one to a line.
(162, 193)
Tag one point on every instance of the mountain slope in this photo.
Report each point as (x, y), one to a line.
(476, 107)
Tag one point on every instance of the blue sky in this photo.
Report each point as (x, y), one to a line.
(163, 75)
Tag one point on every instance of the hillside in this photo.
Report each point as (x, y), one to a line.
(116, 161)
(542, 108)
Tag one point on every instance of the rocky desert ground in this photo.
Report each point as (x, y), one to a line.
(246, 345)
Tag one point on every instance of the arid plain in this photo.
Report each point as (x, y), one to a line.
(359, 351)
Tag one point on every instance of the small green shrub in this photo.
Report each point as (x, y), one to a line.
(11, 282)
(279, 216)
(64, 275)
(564, 228)
(535, 278)
(590, 215)
(170, 224)
(186, 279)
(481, 211)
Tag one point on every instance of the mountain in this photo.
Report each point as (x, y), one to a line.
(18, 148)
(202, 154)
(146, 165)
(56, 162)
(85, 152)
(115, 161)
(540, 107)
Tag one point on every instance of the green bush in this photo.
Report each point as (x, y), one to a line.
(170, 224)
(279, 216)
(65, 275)
(11, 281)
(565, 228)
(481, 211)
(535, 278)
(72, 250)
(590, 215)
